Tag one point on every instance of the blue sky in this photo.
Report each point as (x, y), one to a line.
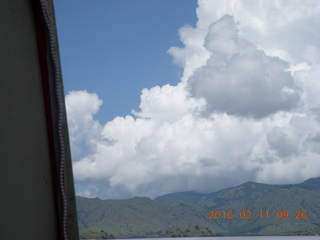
(223, 92)
(116, 48)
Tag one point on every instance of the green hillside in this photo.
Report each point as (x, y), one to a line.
(137, 217)
(251, 208)
(181, 196)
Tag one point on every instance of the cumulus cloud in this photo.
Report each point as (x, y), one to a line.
(167, 103)
(84, 130)
(239, 79)
(247, 108)
(282, 27)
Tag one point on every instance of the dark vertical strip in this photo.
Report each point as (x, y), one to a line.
(42, 40)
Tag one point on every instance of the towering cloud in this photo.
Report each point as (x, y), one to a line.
(247, 108)
(239, 79)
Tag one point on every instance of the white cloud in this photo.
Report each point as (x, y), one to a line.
(193, 55)
(84, 131)
(287, 25)
(256, 80)
(239, 79)
(167, 103)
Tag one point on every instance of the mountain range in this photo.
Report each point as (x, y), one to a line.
(248, 209)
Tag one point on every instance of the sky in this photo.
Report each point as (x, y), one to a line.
(165, 96)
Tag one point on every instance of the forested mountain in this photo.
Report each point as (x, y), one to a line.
(251, 208)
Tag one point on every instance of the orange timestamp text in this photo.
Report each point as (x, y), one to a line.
(260, 214)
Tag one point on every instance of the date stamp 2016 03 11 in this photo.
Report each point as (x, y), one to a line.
(260, 214)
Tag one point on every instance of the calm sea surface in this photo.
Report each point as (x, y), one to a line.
(244, 238)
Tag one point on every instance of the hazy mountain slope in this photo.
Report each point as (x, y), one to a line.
(181, 196)
(274, 209)
(137, 216)
(282, 199)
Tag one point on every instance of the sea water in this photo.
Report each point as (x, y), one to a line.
(243, 238)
